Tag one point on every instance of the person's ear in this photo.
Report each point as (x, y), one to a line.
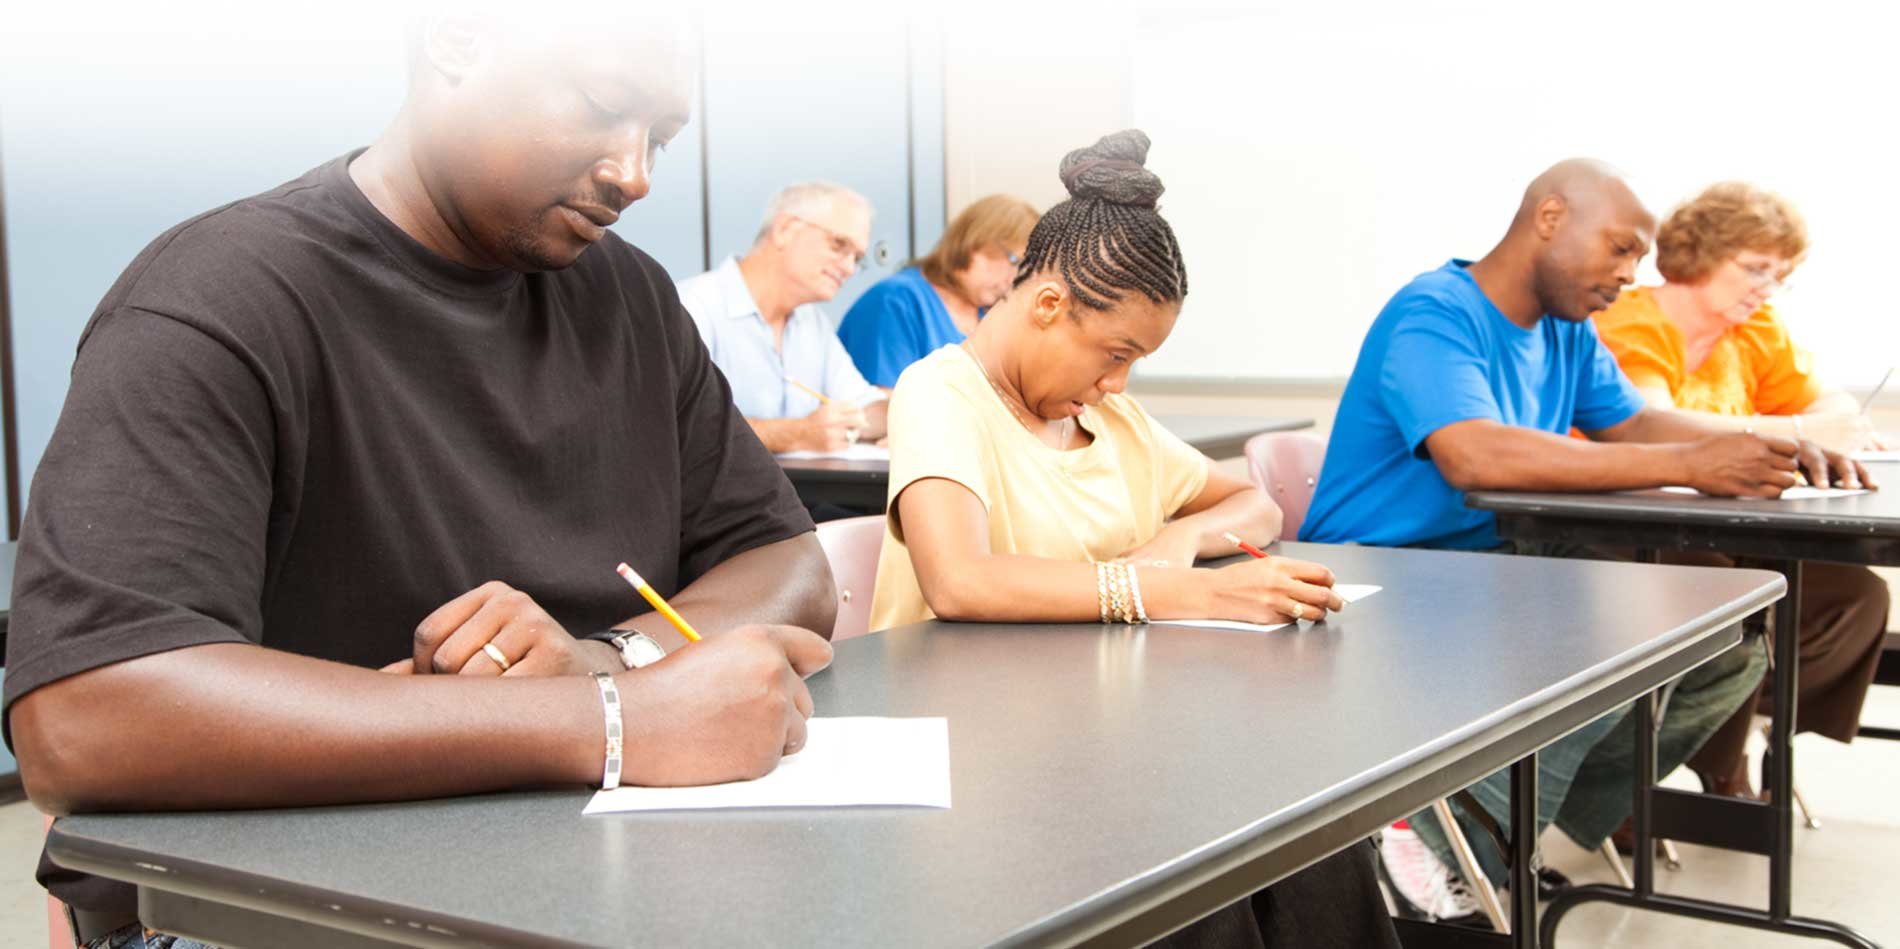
(452, 46)
(783, 228)
(1048, 302)
(1550, 216)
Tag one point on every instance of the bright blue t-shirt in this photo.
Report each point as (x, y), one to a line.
(895, 323)
(1439, 353)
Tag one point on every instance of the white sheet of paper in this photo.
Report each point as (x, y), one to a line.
(1800, 492)
(1349, 592)
(858, 452)
(845, 762)
(1887, 455)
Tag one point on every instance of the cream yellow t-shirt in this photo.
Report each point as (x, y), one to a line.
(1092, 503)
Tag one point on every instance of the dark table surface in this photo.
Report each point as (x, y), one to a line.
(1871, 513)
(1862, 528)
(1108, 781)
(862, 483)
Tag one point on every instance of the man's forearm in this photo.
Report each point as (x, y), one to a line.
(785, 583)
(229, 725)
(1484, 455)
(1653, 425)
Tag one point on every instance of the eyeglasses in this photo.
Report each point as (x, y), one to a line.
(1764, 274)
(1015, 259)
(844, 247)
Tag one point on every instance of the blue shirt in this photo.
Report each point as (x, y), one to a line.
(741, 345)
(900, 320)
(1441, 353)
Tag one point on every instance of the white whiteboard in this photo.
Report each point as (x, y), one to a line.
(1318, 156)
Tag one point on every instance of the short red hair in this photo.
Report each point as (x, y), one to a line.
(1708, 230)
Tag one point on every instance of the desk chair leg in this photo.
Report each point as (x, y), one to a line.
(1615, 860)
(1807, 816)
(1468, 866)
(1671, 859)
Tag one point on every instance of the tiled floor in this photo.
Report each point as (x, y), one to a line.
(1841, 870)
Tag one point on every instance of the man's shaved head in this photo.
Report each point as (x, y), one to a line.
(526, 133)
(1585, 231)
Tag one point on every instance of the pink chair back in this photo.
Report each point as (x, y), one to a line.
(59, 934)
(852, 545)
(1286, 466)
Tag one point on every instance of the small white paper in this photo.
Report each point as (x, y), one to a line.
(1871, 455)
(1349, 592)
(858, 452)
(1800, 492)
(845, 762)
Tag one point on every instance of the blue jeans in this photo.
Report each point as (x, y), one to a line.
(138, 937)
(1586, 780)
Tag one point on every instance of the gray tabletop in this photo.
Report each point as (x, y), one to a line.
(1103, 777)
(1874, 513)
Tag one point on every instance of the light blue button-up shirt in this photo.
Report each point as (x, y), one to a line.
(741, 344)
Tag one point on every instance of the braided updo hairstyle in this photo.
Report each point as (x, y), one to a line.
(1107, 239)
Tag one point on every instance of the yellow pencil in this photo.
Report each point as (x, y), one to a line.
(653, 596)
(814, 393)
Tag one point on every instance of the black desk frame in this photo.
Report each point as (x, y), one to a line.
(1728, 823)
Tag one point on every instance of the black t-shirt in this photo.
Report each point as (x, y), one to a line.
(292, 425)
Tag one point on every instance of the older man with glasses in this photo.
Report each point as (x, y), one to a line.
(759, 315)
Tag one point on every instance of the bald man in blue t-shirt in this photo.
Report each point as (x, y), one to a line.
(1471, 378)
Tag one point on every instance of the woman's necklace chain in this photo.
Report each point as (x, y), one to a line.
(1028, 421)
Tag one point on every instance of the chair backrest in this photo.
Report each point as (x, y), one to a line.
(852, 545)
(1286, 466)
(59, 934)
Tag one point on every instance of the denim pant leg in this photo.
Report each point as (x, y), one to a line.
(1704, 698)
(1557, 767)
(137, 937)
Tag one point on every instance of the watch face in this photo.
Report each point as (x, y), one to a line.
(639, 649)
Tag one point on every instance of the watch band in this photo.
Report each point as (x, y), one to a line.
(636, 648)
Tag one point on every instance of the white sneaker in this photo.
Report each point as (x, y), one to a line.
(1421, 879)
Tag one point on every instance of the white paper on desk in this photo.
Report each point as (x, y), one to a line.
(1347, 591)
(845, 762)
(858, 452)
(1870, 455)
(1800, 492)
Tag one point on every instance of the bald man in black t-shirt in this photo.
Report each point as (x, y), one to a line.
(406, 413)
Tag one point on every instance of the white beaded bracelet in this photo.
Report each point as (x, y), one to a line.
(610, 704)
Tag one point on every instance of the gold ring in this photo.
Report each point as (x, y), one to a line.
(494, 652)
(1299, 612)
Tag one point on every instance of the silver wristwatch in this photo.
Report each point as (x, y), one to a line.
(637, 649)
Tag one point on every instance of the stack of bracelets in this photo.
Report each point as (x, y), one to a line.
(1118, 591)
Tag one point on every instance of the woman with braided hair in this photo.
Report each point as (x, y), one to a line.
(1027, 487)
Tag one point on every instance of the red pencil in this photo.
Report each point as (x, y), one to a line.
(1243, 545)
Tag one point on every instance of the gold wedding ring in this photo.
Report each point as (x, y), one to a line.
(1299, 611)
(494, 652)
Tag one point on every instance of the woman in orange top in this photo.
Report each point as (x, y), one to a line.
(1707, 341)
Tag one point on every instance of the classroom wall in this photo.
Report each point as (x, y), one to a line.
(1024, 86)
(1317, 156)
(1336, 150)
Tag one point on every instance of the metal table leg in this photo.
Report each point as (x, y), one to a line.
(1780, 781)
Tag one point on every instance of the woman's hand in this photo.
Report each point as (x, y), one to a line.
(1272, 590)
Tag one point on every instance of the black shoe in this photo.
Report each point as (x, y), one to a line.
(1551, 883)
